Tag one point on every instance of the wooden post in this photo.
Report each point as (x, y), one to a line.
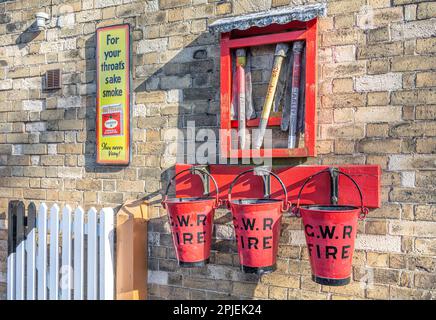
(131, 251)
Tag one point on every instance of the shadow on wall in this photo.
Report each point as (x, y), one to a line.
(27, 36)
(90, 125)
(184, 89)
(190, 80)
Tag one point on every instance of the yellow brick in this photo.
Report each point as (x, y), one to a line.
(223, 8)
(344, 146)
(426, 79)
(244, 289)
(426, 45)
(310, 295)
(281, 280)
(74, 196)
(345, 6)
(108, 13)
(413, 63)
(175, 14)
(387, 15)
(69, 148)
(375, 259)
(426, 10)
(344, 21)
(343, 85)
(278, 293)
(378, 292)
(379, 3)
(35, 194)
(353, 289)
(380, 146)
(278, 3)
(376, 227)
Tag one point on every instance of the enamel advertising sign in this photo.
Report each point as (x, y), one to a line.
(113, 95)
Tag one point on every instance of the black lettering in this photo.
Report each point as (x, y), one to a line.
(267, 223)
(330, 251)
(318, 252)
(201, 237)
(201, 219)
(350, 229)
(327, 231)
(248, 223)
(183, 220)
(266, 242)
(306, 229)
(345, 252)
(252, 242)
(187, 238)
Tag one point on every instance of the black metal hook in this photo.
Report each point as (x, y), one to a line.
(264, 172)
(202, 171)
(334, 185)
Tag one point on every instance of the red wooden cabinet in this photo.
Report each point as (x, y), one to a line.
(260, 36)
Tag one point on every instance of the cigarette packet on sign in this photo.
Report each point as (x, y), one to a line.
(112, 120)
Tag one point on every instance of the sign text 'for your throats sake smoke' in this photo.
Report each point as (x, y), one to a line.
(113, 95)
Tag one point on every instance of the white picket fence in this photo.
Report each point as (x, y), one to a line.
(62, 254)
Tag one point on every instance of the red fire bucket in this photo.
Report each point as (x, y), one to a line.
(330, 232)
(257, 228)
(191, 222)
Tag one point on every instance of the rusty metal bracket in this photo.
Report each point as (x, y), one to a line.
(263, 171)
(334, 185)
(204, 177)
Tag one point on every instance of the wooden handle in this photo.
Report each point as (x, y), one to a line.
(280, 54)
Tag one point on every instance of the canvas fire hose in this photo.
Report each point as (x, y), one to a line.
(284, 125)
(279, 56)
(297, 49)
(249, 108)
(240, 78)
(302, 99)
(234, 103)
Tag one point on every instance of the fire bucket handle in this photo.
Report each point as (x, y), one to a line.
(364, 210)
(192, 169)
(286, 204)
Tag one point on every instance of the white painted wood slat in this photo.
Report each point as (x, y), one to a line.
(10, 286)
(92, 260)
(10, 295)
(106, 254)
(41, 260)
(54, 253)
(20, 254)
(78, 226)
(66, 267)
(31, 253)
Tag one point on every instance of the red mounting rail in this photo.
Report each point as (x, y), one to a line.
(317, 191)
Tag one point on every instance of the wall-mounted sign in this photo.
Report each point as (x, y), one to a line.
(113, 95)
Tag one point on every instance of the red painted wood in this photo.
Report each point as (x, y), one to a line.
(187, 184)
(267, 39)
(225, 93)
(272, 28)
(272, 121)
(311, 87)
(368, 179)
(317, 191)
(261, 36)
(262, 153)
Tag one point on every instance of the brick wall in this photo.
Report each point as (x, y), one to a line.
(376, 105)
